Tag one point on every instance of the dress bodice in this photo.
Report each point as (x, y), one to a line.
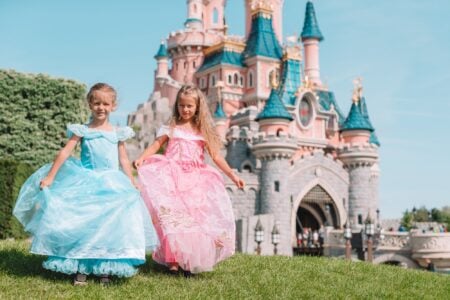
(99, 148)
(185, 147)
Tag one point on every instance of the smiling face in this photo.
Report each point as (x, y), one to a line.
(187, 107)
(102, 104)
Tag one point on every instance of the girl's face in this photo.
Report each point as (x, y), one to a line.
(102, 105)
(187, 107)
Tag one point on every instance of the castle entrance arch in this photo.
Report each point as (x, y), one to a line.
(315, 211)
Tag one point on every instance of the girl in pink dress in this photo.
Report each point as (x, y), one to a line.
(186, 198)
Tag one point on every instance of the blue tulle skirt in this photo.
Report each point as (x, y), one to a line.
(87, 221)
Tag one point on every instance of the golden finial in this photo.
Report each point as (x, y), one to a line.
(357, 90)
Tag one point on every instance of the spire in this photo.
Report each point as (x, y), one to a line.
(162, 51)
(262, 39)
(274, 108)
(219, 113)
(357, 119)
(311, 26)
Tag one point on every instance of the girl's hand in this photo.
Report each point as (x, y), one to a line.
(138, 162)
(46, 182)
(238, 181)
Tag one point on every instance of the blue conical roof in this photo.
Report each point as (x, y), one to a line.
(162, 51)
(290, 81)
(219, 113)
(274, 108)
(262, 40)
(311, 27)
(357, 118)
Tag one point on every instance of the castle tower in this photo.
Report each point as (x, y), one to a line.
(214, 15)
(360, 158)
(194, 14)
(162, 69)
(277, 13)
(311, 36)
(274, 147)
(262, 55)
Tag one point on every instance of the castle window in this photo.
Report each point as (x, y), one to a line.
(360, 219)
(235, 79)
(230, 79)
(277, 186)
(242, 81)
(193, 64)
(278, 131)
(250, 79)
(195, 8)
(215, 16)
(213, 80)
(185, 64)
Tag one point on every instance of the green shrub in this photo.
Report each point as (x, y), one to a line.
(12, 175)
(35, 110)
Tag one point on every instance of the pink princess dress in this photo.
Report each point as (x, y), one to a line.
(188, 203)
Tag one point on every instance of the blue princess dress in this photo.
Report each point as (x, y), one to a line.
(91, 220)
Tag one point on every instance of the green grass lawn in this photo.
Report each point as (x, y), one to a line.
(243, 276)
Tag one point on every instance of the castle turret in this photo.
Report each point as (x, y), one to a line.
(360, 158)
(276, 6)
(262, 55)
(194, 14)
(275, 152)
(274, 147)
(311, 36)
(274, 117)
(162, 60)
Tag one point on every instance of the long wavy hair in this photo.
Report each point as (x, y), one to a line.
(203, 120)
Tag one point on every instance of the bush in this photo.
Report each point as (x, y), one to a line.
(35, 111)
(12, 175)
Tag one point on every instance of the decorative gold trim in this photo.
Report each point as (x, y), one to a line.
(230, 45)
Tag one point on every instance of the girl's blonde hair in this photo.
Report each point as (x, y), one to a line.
(202, 119)
(101, 87)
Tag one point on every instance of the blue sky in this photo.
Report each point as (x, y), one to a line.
(400, 48)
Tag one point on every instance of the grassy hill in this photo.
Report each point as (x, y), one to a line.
(243, 276)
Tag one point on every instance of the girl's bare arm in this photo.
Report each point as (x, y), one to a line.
(61, 157)
(152, 149)
(125, 162)
(223, 165)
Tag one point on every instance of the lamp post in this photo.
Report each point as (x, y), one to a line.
(378, 218)
(370, 231)
(259, 236)
(275, 238)
(348, 243)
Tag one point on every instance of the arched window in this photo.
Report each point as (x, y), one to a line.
(250, 79)
(278, 131)
(235, 79)
(215, 16)
(230, 79)
(241, 81)
(213, 80)
(185, 64)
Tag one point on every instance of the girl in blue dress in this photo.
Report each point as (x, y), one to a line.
(87, 215)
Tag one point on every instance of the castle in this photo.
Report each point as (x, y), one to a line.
(307, 164)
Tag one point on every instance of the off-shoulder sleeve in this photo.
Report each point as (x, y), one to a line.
(163, 130)
(76, 129)
(124, 133)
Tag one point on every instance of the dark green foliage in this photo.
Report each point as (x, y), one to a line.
(35, 110)
(422, 214)
(12, 175)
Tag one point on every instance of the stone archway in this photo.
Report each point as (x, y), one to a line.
(317, 204)
(317, 209)
(396, 259)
